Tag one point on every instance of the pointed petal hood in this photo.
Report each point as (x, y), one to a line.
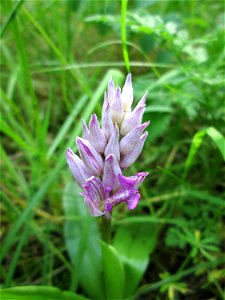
(94, 195)
(77, 167)
(85, 130)
(131, 157)
(111, 91)
(131, 140)
(90, 156)
(113, 144)
(96, 136)
(127, 94)
(111, 172)
(107, 123)
(116, 108)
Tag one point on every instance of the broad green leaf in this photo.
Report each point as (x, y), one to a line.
(38, 293)
(134, 245)
(113, 272)
(81, 237)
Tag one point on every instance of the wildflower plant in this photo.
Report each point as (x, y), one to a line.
(106, 151)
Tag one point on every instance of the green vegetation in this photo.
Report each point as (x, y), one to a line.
(56, 59)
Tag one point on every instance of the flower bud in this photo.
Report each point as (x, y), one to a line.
(130, 140)
(134, 118)
(107, 123)
(111, 91)
(131, 157)
(96, 136)
(127, 94)
(113, 144)
(116, 107)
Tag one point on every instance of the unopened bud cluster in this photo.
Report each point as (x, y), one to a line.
(106, 151)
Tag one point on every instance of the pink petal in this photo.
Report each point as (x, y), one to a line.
(107, 123)
(111, 172)
(111, 91)
(131, 157)
(127, 94)
(130, 141)
(133, 200)
(90, 156)
(94, 195)
(116, 107)
(85, 130)
(96, 136)
(113, 144)
(132, 182)
(77, 167)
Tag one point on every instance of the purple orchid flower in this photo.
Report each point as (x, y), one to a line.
(105, 152)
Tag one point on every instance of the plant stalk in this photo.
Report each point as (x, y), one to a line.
(106, 229)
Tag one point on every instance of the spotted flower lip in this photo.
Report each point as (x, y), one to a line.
(97, 199)
(105, 151)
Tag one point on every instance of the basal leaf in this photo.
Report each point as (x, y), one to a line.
(113, 272)
(134, 245)
(81, 237)
(38, 293)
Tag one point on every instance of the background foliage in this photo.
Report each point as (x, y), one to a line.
(56, 59)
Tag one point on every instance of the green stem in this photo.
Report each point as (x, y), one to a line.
(124, 34)
(185, 262)
(106, 229)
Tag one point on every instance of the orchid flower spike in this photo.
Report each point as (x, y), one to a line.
(106, 151)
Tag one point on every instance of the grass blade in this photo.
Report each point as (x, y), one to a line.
(11, 17)
(124, 34)
(197, 141)
(67, 124)
(53, 175)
